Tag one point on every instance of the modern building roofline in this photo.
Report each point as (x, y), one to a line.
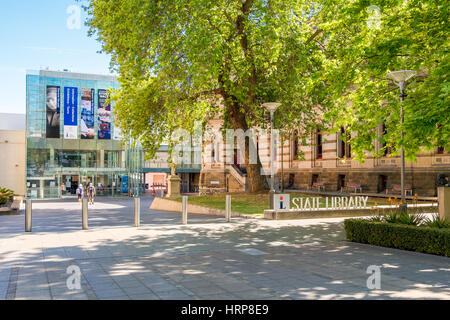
(72, 75)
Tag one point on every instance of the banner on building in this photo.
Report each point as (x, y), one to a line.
(87, 114)
(124, 186)
(70, 112)
(53, 112)
(104, 115)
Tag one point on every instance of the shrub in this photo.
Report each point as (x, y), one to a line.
(437, 222)
(404, 218)
(376, 219)
(6, 195)
(407, 237)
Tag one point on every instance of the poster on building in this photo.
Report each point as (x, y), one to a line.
(124, 186)
(53, 112)
(87, 114)
(70, 112)
(104, 115)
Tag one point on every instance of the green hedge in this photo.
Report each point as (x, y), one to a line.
(420, 239)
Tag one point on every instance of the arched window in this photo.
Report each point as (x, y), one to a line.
(213, 151)
(343, 144)
(295, 145)
(319, 144)
(387, 150)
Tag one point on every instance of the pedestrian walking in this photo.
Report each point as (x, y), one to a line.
(91, 193)
(80, 192)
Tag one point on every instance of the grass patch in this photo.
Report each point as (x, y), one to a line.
(244, 203)
(253, 204)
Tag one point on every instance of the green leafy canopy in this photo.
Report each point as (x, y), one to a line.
(411, 34)
(177, 59)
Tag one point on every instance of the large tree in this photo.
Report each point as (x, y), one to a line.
(364, 40)
(181, 61)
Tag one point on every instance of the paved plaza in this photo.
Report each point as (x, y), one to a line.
(206, 259)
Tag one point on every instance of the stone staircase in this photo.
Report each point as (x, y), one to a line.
(239, 175)
(223, 178)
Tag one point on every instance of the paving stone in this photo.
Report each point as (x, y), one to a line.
(208, 290)
(224, 296)
(129, 284)
(143, 296)
(251, 295)
(173, 295)
(192, 284)
(136, 290)
(105, 295)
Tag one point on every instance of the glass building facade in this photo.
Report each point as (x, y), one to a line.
(72, 139)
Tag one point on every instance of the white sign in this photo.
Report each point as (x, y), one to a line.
(281, 201)
(332, 203)
(214, 182)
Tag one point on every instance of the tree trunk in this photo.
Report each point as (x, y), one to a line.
(256, 181)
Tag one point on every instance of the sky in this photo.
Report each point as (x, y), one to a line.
(36, 34)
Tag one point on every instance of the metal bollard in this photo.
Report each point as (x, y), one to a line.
(184, 210)
(28, 211)
(137, 212)
(84, 214)
(228, 208)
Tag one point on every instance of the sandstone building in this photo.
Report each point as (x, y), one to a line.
(326, 161)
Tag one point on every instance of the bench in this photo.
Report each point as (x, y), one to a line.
(396, 188)
(352, 186)
(318, 186)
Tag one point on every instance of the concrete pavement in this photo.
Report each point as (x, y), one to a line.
(207, 259)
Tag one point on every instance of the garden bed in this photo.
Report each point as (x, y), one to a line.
(244, 203)
(400, 236)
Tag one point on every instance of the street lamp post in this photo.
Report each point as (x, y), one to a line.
(271, 106)
(400, 78)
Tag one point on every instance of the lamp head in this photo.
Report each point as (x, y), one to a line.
(401, 76)
(271, 106)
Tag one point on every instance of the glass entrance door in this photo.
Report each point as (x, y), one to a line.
(69, 184)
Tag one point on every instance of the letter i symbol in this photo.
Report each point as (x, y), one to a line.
(281, 202)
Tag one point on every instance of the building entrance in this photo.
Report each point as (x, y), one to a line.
(69, 184)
